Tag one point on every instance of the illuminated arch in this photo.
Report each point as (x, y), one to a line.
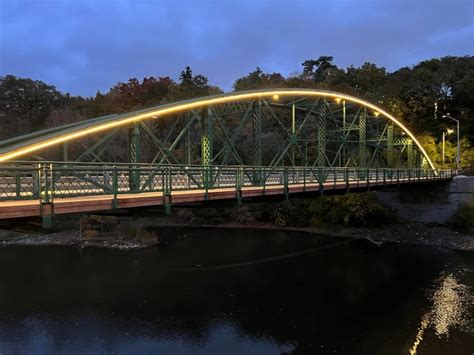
(55, 136)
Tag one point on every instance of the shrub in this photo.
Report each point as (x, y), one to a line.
(463, 218)
(352, 209)
(292, 213)
(185, 214)
(243, 214)
(99, 223)
(89, 234)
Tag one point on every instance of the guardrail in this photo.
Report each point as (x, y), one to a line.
(46, 181)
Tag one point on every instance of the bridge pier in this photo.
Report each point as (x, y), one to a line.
(47, 222)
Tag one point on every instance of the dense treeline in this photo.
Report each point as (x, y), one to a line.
(419, 95)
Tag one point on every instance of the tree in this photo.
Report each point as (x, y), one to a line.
(186, 78)
(190, 86)
(319, 69)
(259, 80)
(432, 88)
(26, 103)
(133, 94)
(367, 80)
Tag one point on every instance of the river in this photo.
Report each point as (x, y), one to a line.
(231, 291)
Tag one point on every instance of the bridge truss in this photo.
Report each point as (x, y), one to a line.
(255, 138)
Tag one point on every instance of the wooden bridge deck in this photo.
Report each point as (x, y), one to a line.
(33, 208)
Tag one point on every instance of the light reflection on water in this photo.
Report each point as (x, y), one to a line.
(237, 292)
(451, 304)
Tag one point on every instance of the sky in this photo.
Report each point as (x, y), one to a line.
(82, 46)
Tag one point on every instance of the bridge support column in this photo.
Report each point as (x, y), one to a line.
(293, 134)
(135, 157)
(115, 203)
(63, 151)
(257, 141)
(47, 222)
(167, 187)
(363, 139)
(344, 133)
(390, 149)
(46, 191)
(285, 184)
(410, 157)
(206, 146)
(321, 157)
(239, 180)
(188, 144)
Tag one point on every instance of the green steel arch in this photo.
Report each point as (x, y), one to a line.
(311, 127)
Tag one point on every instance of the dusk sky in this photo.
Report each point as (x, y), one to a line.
(87, 45)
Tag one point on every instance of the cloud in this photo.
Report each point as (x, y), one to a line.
(85, 46)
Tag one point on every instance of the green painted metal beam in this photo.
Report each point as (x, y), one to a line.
(362, 139)
(390, 145)
(410, 155)
(134, 146)
(321, 121)
(63, 151)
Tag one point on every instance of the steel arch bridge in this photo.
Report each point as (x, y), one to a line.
(263, 141)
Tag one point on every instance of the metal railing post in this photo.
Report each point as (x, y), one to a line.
(304, 179)
(46, 185)
(367, 174)
(384, 179)
(114, 187)
(206, 181)
(44, 196)
(167, 186)
(51, 179)
(346, 178)
(17, 183)
(238, 184)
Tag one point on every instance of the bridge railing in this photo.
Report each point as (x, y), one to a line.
(49, 180)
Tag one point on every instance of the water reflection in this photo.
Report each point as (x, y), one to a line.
(451, 306)
(226, 292)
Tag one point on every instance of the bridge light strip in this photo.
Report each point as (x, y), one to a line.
(204, 102)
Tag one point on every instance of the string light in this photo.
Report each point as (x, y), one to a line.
(189, 105)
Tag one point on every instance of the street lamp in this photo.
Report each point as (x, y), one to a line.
(458, 152)
(445, 133)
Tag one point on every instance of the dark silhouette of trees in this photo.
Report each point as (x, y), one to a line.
(25, 104)
(418, 95)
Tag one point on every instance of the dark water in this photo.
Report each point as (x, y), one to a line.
(237, 292)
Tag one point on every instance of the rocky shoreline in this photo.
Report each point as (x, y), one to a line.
(118, 238)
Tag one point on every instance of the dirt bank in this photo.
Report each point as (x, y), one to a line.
(142, 233)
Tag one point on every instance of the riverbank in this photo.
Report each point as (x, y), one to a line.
(137, 233)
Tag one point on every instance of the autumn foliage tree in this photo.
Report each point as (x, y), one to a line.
(418, 95)
(25, 104)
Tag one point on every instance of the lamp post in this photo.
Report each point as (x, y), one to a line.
(458, 152)
(445, 133)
